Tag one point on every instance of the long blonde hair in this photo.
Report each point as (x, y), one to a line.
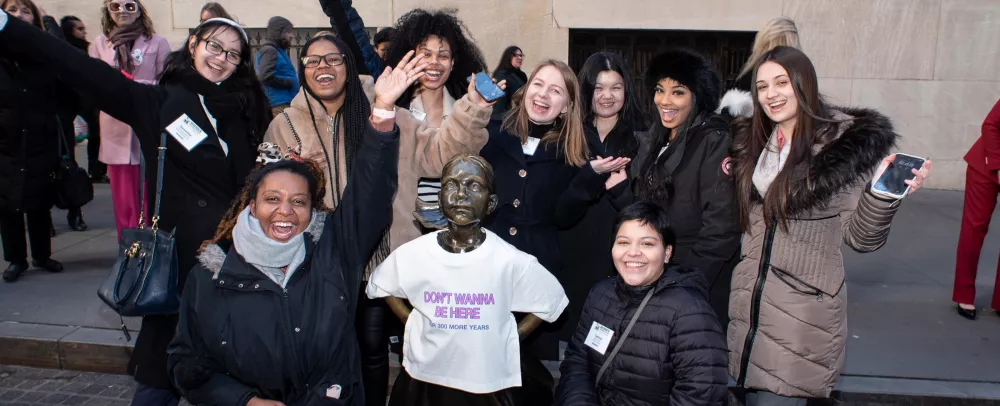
(780, 31)
(568, 129)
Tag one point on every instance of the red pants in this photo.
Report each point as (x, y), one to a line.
(125, 184)
(980, 199)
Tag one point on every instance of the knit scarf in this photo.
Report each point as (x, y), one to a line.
(267, 255)
(122, 39)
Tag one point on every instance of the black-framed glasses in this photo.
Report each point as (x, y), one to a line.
(331, 59)
(519, 55)
(216, 49)
(116, 7)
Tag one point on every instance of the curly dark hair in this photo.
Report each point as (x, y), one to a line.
(413, 28)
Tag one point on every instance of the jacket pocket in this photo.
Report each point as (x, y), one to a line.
(801, 287)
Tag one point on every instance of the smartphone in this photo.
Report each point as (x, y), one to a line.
(892, 183)
(486, 88)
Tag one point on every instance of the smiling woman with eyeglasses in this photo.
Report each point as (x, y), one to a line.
(227, 114)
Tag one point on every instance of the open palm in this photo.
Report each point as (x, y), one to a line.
(394, 81)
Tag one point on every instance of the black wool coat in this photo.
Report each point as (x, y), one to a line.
(586, 247)
(516, 79)
(242, 335)
(674, 355)
(538, 195)
(198, 185)
(701, 204)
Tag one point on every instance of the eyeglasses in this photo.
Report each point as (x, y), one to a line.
(519, 55)
(333, 59)
(116, 7)
(216, 49)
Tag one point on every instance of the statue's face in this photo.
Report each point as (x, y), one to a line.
(465, 197)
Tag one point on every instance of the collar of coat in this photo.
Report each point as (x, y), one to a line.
(212, 256)
(845, 155)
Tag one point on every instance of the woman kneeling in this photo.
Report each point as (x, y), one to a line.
(648, 336)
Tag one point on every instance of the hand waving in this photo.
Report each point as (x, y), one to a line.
(393, 82)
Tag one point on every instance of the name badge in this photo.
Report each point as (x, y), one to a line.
(530, 146)
(599, 338)
(419, 115)
(333, 392)
(186, 132)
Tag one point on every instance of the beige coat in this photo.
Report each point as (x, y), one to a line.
(789, 317)
(423, 151)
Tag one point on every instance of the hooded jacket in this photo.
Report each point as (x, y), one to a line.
(788, 305)
(241, 335)
(274, 66)
(674, 355)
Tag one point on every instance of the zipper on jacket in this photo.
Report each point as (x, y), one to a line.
(758, 292)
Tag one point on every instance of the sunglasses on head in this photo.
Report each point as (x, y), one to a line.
(116, 7)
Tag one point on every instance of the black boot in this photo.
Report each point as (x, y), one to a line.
(49, 264)
(14, 271)
(75, 219)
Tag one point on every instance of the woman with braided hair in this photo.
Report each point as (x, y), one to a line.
(325, 122)
(267, 316)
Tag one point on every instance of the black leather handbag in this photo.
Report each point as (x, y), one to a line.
(73, 187)
(143, 281)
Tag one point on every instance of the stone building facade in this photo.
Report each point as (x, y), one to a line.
(931, 65)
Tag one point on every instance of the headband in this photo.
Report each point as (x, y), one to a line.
(228, 22)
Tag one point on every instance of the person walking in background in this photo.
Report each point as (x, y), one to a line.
(214, 10)
(675, 354)
(509, 69)
(788, 306)
(128, 43)
(75, 32)
(382, 40)
(70, 106)
(29, 145)
(274, 66)
(611, 118)
(981, 188)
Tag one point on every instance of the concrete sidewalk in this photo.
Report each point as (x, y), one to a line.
(904, 334)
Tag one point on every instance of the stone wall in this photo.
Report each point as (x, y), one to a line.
(931, 65)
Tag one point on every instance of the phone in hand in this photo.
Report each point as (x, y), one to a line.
(486, 88)
(892, 182)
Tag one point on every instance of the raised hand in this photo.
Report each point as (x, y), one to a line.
(393, 82)
(915, 183)
(609, 164)
(477, 98)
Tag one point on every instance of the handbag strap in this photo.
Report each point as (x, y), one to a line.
(161, 154)
(621, 341)
(294, 133)
(63, 148)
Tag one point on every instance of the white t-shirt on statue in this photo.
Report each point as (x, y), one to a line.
(461, 333)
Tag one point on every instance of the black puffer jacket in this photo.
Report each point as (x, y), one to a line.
(675, 354)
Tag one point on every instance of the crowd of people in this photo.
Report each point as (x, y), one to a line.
(368, 198)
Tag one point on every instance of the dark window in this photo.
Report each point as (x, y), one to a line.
(728, 50)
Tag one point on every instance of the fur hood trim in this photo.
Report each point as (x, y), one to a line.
(846, 154)
(691, 70)
(736, 103)
(212, 256)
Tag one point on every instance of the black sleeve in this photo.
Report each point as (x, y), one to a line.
(585, 189)
(265, 72)
(365, 211)
(621, 195)
(698, 355)
(199, 378)
(577, 384)
(719, 238)
(349, 25)
(95, 80)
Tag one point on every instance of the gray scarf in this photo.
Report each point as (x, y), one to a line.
(265, 254)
